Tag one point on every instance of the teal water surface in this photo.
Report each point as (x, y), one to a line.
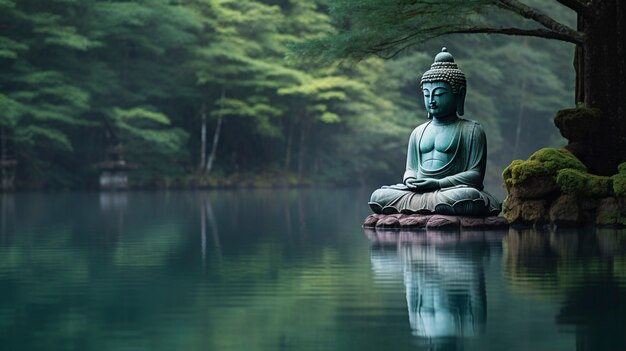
(292, 270)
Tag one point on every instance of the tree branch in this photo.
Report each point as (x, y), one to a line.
(541, 33)
(540, 17)
(580, 7)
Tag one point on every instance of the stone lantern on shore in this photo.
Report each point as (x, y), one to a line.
(114, 170)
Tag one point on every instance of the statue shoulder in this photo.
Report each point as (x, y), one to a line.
(419, 129)
(470, 122)
(473, 131)
(471, 125)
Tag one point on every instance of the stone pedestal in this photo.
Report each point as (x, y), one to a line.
(430, 221)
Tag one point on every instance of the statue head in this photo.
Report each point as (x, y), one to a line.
(444, 87)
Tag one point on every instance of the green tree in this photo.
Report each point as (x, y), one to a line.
(40, 100)
(387, 27)
(134, 75)
(236, 65)
(78, 76)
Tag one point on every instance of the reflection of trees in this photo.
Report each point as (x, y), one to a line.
(70, 280)
(7, 214)
(598, 311)
(443, 275)
(585, 268)
(207, 217)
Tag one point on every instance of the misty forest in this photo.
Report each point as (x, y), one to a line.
(217, 93)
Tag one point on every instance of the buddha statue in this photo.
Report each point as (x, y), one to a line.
(446, 157)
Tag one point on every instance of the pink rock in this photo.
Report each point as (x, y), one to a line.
(371, 220)
(441, 221)
(415, 220)
(496, 222)
(388, 222)
(472, 222)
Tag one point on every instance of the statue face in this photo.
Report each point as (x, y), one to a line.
(439, 99)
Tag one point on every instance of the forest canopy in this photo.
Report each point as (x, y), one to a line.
(209, 89)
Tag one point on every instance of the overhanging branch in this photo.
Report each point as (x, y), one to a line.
(389, 49)
(541, 33)
(539, 17)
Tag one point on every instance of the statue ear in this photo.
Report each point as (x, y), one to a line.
(460, 102)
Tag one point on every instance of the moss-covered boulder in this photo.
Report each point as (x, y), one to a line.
(518, 171)
(576, 182)
(577, 124)
(556, 159)
(619, 181)
(565, 210)
(525, 211)
(534, 188)
(545, 162)
(536, 177)
(611, 211)
(554, 186)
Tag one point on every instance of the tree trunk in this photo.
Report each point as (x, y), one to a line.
(290, 133)
(289, 146)
(216, 136)
(202, 138)
(601, 81)
(304, 131)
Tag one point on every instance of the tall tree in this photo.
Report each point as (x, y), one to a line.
(384, 28)
(241, 40)
(135, 74)
(41, 102)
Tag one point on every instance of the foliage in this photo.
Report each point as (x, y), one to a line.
(78, 78)
(371, 27)
(386, 28)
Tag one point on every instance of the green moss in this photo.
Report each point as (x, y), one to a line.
(556, 159)
(619, 182)
(611, 219)
(577, 124)
(527, 169)
(545, 162)
(572, 181)
(507, 174)
(518, 171)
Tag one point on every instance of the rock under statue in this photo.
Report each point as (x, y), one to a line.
(446, 158)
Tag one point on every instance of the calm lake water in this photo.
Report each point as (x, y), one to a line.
(292, 270)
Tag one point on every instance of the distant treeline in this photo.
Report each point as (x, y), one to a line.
(194, 91)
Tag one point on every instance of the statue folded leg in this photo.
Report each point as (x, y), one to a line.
(459, 200)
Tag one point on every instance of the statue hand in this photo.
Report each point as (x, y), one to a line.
(410, 183)
(424, 185)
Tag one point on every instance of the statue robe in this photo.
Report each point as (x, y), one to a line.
(461, 178)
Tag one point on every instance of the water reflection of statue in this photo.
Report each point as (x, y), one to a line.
(446, 157)
(445, 285)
